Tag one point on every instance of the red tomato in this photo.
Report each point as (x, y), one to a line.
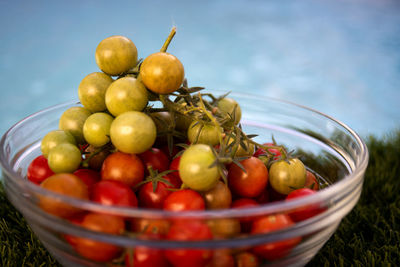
(174, 165)
(150, 226)
(113, 193)
(250, 183)
(184, 200)
(274, 250)
(241, 203)
(311, 181)
(263, 197)
(126, 168)
(77, 220)
(88, 176)
(39, 170)
(141, 256)
(96, 250)
(150, 198)
(189, 231)
(222, 258)
(155, 158)
(274, 151)
(306, 212)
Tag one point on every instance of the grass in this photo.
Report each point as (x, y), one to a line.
(368, 236)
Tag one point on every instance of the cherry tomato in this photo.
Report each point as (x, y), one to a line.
(195, 170)
(116, 55)
(273, 250)
(263, 197)
(162, 73)
(201, 133)
(64, 158)
(311, 181)
(92, 90)
(54, 138)
(96, 250)
(222, 258)
(65, 184)
(127, 168)
(156, 159)
(150, 226)
(287, 176)
(142, 256)
(96, 158)
(174, 165)
(113, 193)
(306, 212)
(133, 132)
(224, 227)
(184, 200)
(39, 170)
(260, 151)
(250, 183)
(247, 259)
(77, 220)
(88, 176)
(191, 230)
(72, 121)
(218, 197)
(242, 203)
(231, 107)
(154, 199)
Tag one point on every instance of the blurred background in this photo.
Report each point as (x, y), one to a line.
(339, 57)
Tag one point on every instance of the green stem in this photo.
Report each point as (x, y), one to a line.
(169, 39)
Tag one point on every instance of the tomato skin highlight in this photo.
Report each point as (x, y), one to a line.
(39, 170)
(113, 193)
(250, 183)
(273, 250)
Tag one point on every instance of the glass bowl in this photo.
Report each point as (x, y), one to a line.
(328, 147)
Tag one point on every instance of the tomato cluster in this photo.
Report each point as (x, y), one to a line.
(190, 155)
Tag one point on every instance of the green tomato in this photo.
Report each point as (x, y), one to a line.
(133, 132)
(72, 120)
(54, 138)
(285, 177)
(96, 129)
(241, 151)
(201, 133)
(126, 94)
(116, 55)
(92, 91)
(195, 170)
(64, 158)
(231, 107)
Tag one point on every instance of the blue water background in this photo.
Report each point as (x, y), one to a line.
(339, 57)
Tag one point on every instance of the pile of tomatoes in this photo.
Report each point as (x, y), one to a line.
(144, 139)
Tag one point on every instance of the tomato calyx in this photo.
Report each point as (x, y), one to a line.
(155, 177)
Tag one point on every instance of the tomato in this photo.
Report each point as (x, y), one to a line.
(66, 184)
(201, 133)
(273, 250)
(240, 151)
(133, 132)
(218, 197)
(250, 183)
(224, 227)
(222, 258)
(92, 90)
(195, 170)
(303, 213)
(184, 200)
(242, 203)
(150, 226)
(96, 129)
(170, 154)
(142, 256)
(72, 121)
(150, 198)
(247, 259)
(39, 170)
(162, 73)
(127, 168)
(126, 94)
(311, 181)
(191, 230)
(64, 158)
(113, 193)
(116, 55)
(97, 250)
(54, 138)
(263, 197)
(96, 158)
(260, 151)
(156, 159)
(231, 107)
(77, 220)
(88, 176)
(287, 176)
(174, 165)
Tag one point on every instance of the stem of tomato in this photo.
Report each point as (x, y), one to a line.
(169, 39)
